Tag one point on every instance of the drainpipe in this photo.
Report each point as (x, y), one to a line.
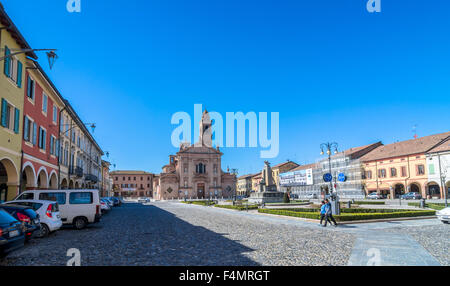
(59, 151)
(20, 174)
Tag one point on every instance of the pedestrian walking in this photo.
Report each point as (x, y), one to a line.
(329, 214)
(323, 213)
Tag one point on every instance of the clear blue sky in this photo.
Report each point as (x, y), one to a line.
(332, 70)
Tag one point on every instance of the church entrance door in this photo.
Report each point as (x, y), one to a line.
(201, 191)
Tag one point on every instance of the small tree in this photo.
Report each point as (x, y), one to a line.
(286, 198)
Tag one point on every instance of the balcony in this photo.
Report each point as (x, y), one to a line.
(77, 171)
(91, 178)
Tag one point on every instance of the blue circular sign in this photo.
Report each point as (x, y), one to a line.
(342, 177)
(328, 177)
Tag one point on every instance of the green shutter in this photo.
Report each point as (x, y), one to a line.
(16, 120)
(44, 141)
(19, 74)
(26, 125)
(34, 133)
(7, 61)
(29, 86)
(4, 112)
(431, 167)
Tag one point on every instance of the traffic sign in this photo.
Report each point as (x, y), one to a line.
(342, 177)
(328, 177)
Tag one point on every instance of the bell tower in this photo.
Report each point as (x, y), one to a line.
(205, 130)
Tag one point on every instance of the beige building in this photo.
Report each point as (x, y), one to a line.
(132, 183)
(195, 171)
(282, 168)
(395, 169)
(80, 155)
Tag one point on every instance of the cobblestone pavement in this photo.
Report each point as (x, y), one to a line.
(176, 234)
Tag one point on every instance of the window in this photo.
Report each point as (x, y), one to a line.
(10, 116)
(28, 129)
(52, 145)
(55, 114)
(393, 172)
(420, 170)
(431, 169)
(369, 174)
(60, 198)
(12, 68)
(31, 87)
(44, 102)
(382, 173)
(200, 168)
(403, 170)
(26, 197)
(42, 138)
(80, 198)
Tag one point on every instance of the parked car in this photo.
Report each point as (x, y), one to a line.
(374, 196)
(104, 206)
(11, 233)
(143, 200)
(116, 201)
(77, 207)
(311, 196)
(411, 196)
(108, 201)
(444, 215)
(26, 215)
(48, 214)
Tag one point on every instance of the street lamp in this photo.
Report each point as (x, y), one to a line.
(51, 55)
(329, 148)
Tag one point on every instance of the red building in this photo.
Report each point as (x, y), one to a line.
(42, 106)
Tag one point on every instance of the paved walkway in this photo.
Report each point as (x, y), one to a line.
(375, 245)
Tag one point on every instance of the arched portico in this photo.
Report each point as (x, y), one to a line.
(71, 185)
(53, 182)
(29, 180)
(9, 180)
(42, 179)
(414, 188)
(77, 186)
(64, 184)
(433, 190)
(399, 190)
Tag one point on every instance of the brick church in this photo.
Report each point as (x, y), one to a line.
(195, 171)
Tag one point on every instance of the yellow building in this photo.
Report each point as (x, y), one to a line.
(244, 185)
(399, 168)
(12, 99)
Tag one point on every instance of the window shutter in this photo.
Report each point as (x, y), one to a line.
(25, 129)
(4, 112)
(51, 145)
(44, 145)
(29, 86)
(19, 74)
(34, 133)
(7, 62)
(16, 120)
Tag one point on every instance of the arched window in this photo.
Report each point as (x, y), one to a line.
(200, 168)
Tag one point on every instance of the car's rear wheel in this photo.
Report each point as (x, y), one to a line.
(79, 223)
(44, 232)
(446, 222)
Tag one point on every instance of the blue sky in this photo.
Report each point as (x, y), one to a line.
(332, 70)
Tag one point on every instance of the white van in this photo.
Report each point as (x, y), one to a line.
(77, 207)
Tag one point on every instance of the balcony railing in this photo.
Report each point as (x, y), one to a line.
(92, 178)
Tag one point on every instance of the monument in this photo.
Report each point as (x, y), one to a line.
(267, 189)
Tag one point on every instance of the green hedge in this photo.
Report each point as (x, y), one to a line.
(435, 206)
(345, 210)
(369, 203)
(351, 216)
(239, 208)
(200, 203)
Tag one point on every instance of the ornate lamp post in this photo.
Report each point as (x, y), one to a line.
(331, 148)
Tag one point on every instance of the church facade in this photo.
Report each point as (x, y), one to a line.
(195, 171)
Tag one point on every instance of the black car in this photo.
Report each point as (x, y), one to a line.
(11, 233)
(27, 216)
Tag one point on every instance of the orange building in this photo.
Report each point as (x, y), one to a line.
(399, 168)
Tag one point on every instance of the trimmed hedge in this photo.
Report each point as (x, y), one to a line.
(200, 203)
(369, 203)
(239, 208)
(435, 206)
(351, 216)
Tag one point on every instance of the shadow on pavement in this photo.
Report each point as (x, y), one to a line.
(173, 241)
